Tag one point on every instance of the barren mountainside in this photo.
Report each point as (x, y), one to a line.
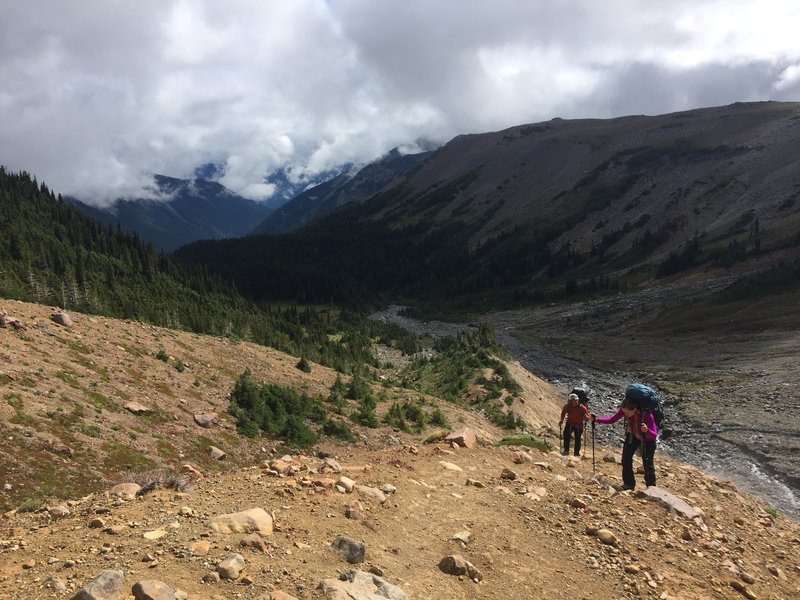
(698, 171)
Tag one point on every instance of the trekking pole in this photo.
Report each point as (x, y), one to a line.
(642, 444)
(593, 426)
(583, 440)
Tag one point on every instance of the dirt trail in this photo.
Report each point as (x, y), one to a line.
(528, 521)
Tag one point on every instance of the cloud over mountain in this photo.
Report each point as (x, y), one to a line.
(98, 95)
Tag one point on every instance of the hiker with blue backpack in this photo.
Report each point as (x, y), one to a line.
(641, 431)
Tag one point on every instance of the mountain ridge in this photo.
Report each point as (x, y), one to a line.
(185, 210)
(353, 185)
(556, 209)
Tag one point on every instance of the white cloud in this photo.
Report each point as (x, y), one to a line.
(789, 77)
(96, 94)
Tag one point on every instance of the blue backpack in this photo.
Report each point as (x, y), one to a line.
(648, 400)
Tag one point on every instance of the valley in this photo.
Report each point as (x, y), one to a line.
(730, 393)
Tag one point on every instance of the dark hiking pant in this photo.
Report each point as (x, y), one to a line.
(569, 429)
(648, 451)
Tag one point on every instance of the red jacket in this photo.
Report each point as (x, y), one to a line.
(576, 415)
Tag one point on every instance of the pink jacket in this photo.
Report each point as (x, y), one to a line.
(635, 424)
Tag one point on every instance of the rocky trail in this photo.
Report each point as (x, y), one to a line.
(98, 408)
(407, 521)
(694, 441)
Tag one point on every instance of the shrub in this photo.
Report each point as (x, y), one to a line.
(303, 365)
(30, 505)
(278, 411)
(525, 439)
(395, 417)
(162, 355)
(296, 433)
(438, 419)
(336, 428)
(365, 415)
(358, 388)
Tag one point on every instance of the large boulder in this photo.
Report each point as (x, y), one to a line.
(231, 566)
(358, 585)
(463, 437)
(138, 409)
(150, 589)
(205, 420)
(455, 564)
(353, 550)
(61, 318)
(106, 586)
(126, 490)
(255, 520)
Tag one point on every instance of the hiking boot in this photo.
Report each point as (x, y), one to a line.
(565, 453)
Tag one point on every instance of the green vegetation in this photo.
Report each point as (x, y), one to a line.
(30, 505)
(67, 259)
(400, 415)
(530, 441)
(458, 366)
(118, 457)
(365, 414)
(783, 277)
(276, 410)
(337, 428)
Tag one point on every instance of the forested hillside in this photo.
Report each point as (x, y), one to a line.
(52, 254)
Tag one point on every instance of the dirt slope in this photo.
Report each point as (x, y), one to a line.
(65, 430)
(522, 547)
(531, 536)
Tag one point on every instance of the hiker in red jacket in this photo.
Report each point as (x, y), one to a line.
(640, 430)
(577, 414)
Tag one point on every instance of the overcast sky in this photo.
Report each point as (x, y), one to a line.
(97, 94)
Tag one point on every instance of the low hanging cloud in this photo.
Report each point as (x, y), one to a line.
(97, 96)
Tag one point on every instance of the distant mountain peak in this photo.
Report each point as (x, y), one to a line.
(181, 211)
(354, 183)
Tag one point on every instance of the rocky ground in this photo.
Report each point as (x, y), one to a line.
(433, 520)
(517, 523)
(728, 373)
